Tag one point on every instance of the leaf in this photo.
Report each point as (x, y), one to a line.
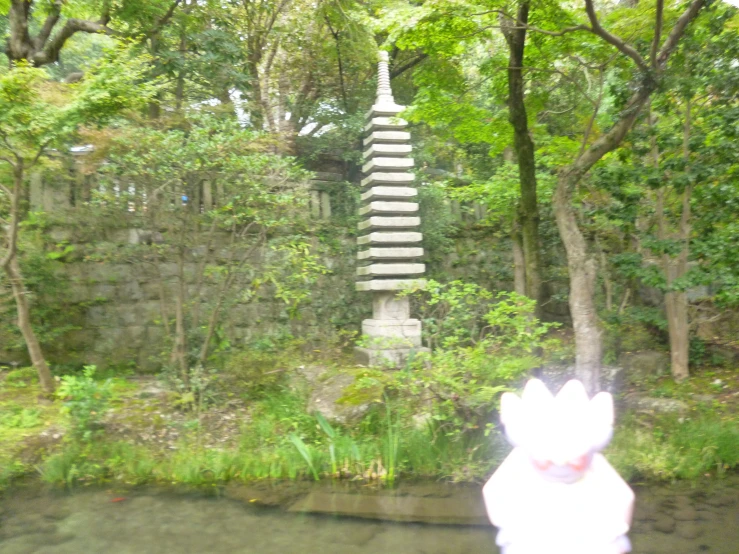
(304, 452)
(325, 426)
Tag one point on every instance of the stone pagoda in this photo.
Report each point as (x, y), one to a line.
(390, 238)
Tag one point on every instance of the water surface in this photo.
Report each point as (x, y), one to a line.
(669, 520)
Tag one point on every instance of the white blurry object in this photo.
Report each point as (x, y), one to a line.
(555, 494)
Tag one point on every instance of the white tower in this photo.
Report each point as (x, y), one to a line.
(390, 246)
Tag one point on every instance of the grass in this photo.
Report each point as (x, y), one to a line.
(670, 447)
(22, 419)
(281, 441)
(414, 454)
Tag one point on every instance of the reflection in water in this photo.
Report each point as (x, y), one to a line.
(669, 521)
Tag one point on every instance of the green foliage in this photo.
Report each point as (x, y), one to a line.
(36, 115)
(305, 452)
(48, 291)
(483, 343)
(673, 447)
(85, 400)
(22, 377)
(256, 228)
(21, 418)
(459, 314)
(437, 224)
(62, 468)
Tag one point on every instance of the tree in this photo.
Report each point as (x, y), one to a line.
(465, 95)
(581, 264)
(514, 31)
(676, 151)
(36, 117)
(43, 48)
(58, 21)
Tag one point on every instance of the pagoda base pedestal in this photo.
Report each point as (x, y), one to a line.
(390, 357)
(391, 342)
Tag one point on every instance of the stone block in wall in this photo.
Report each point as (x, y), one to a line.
(141, 236)
(168, 270)
(150, 291)
(119, 236)
(155, 336)
(77, 293)
(130, 291)
(210, 292)
(99, 316)
(120, 273)
(135, 335)
(148, 311)
(107, 273)
(128, 315)
(239, 333)
(79, 339)
(92, 273)
(244, 314)
(102, 291)
(76, 272)
(109, 340)
(190, 269)
(60, 234)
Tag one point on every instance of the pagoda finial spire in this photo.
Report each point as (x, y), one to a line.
(384, 92)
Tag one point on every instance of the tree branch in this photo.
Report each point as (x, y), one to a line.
(399, 70)
(658, 21)
(528, 27)
(567, 77)
(612, 139)
(591, 121)
(560, 32)
(678, 30)
(51, 20)
(624, 48)
(162, 20)
(50, 53)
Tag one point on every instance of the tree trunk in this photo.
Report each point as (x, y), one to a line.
(582, 271)
(24, 324)
(256, 110)
(676, 301)
(180, 88)
(676, 307)
(19, 45)
(528, 210)
(519, 264)
(179, 352)
(155, 106)
(11, 267)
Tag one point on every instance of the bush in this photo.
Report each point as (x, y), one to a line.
(22, 377)
(85, 401)
(261, 368)
(675, 448)
(21, 418)
(484, 343)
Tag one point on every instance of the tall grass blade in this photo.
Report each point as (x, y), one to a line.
(305, 453)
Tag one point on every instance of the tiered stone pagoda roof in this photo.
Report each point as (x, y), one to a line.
(391, 244)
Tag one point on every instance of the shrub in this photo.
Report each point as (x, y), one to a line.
(21, 418)
(85, 401)
(674, 447)
(22, 377)
(484, 343)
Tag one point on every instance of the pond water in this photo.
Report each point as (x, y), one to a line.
(675, 520)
